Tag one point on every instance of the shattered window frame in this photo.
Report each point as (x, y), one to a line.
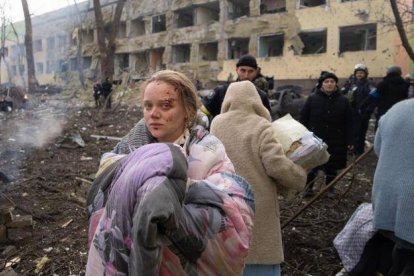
(181, 53)
(213, 14)
(310, 49)
(188, 17)
(365, 34)
(236, 9)
(270, 41)
(137, 27)
(86, 62)
(304, 4)
(158, 23)
(37, 45)
(237, 46)
(208, 48)
(280, 8)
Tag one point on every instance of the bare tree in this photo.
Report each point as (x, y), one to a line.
(106, 39)
(3, 37)
(28, 41)
(19, 55)
(400, 26)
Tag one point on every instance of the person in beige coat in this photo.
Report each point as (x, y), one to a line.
(244, 127)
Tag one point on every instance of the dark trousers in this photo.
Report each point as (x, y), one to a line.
(386, 254)
(361, 128)
(330, 175)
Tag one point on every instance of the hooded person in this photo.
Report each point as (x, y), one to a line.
(327, 113)
(244, 127)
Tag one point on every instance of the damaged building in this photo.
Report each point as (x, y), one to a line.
(293, 40)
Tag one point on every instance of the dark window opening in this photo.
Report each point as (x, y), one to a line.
(50, 43)
(73, 64)
(137, 27)
(62, 66)
(158, 23)
(39, 68)
(314, 42)
(87, 36)
(311, 3)
(181, 53)
(62, 41)
(207, 13)
(87, 61)
(271, 46)
(208, 51)
(50, 66)
(13, 70)
(21, 69)
(121, 30)
(121, 63)
(272, 6)
(238, 8)
(37, 45)
(237, 47)
(358, 38)
(184, 18)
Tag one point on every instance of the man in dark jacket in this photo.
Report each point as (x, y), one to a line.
(327, 113)
(358, 93)
(391, 90)
(246, 69)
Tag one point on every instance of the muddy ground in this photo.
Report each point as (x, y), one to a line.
(50, 176)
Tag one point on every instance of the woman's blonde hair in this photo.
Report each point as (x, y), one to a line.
(186, 89)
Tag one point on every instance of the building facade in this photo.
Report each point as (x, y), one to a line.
(293, 40)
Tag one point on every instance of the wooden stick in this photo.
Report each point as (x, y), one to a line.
(106, 137)
(330, 185)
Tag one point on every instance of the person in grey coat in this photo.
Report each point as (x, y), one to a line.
(393, 189)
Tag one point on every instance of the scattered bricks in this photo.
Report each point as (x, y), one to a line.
(3, 233)
(19, 234)
(20, 222)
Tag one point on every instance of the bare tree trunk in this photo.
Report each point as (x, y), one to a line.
(400, 27)
(28, 41)
(106, 42)
(19, 56)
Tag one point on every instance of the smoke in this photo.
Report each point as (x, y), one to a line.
(21, 133)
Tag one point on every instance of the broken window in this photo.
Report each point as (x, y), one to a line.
(314, 42)
(137, 27)
(208, 51)
(87, 35)
(87, 61)
(62, 66)
(21, 69)
(121, 30)
(141, 63)
(237, 47)
(158, 23)
(73, 64)
(184, 17)
(310, 3)
(358, 38)
(121, 63)
(238, 8)
(271, 46)
(39, 68)
(13, 70)
(207, 13)
(37, 45)
(181, 53)
(50, 43)
(62, 41)
(156, 62)
(50, 66)
(272, 6)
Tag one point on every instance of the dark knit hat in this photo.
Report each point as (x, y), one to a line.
(327, 75)
(247, 60)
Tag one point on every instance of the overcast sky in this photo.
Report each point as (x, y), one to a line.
(36, 7)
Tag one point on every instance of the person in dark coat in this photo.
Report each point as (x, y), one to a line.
(246, 69)
(327, 113)
(391, 90)
(358, 93)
